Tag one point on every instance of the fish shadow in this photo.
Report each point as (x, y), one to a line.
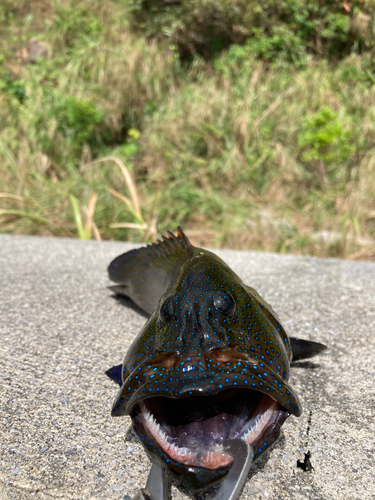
(130, 436)
(124, 301)
(305, 364)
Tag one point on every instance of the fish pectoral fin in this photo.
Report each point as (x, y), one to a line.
(303, 349)
(144, 274)
(114, 374)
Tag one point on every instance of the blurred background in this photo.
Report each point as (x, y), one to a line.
(250, 124)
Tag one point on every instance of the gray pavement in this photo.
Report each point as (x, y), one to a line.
(61, 328)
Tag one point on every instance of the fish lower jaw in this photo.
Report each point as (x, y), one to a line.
(199, 444)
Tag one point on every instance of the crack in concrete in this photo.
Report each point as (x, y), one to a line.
(305, 464)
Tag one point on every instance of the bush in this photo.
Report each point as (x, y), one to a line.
(291, 29)
(76, 119)
(12, 87)
(325, 144)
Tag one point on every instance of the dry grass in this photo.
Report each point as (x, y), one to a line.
(109, 137)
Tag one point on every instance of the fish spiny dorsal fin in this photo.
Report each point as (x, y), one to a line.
(144, 274)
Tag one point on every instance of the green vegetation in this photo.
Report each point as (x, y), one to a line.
(251, 125)
(289, 30)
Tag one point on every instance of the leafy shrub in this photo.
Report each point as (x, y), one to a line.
(55, 123)
(324, 144)
(12, 87)
(292, 28)
(76, 119)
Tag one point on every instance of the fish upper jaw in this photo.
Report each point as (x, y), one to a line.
(184, 377)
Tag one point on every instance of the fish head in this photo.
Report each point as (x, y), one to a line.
(210, 365)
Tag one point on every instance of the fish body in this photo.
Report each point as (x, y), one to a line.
(211, 364)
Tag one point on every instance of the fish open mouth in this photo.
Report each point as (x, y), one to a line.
(191, 431)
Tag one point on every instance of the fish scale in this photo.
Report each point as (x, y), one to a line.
(208, 335)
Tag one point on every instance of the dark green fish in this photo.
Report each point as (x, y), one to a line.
(211, 364)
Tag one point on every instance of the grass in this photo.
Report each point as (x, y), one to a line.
(108, 136)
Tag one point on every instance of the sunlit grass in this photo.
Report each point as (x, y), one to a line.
(109, 137)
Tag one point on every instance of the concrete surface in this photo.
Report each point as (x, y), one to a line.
(60, 330)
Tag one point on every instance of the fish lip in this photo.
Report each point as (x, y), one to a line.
(267, 414)
(254, 376)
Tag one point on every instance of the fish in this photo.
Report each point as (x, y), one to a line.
(211, 364)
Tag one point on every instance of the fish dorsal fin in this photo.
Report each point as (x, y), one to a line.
(144, 274)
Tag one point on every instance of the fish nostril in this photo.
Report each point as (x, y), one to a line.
(166, 312)
(225, 304)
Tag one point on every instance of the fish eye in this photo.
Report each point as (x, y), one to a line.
(225, 304)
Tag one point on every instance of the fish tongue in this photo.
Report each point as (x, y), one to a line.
(203, 435)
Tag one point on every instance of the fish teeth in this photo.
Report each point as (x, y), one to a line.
(211, 459)
(256, 429)
(155, 427)
(163, 439)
